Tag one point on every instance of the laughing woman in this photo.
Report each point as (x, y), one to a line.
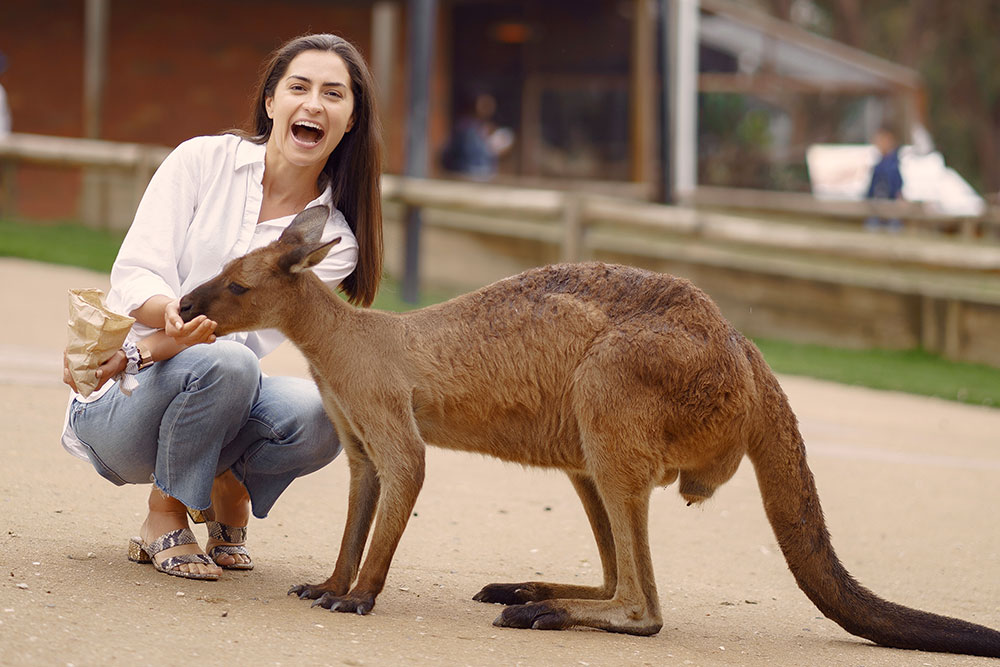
(215, 437)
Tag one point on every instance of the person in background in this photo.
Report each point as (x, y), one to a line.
(216, 437)
(476, 144)
(886, 180)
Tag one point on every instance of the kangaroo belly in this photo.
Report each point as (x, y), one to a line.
(517, 435)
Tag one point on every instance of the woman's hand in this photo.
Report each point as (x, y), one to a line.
(110, 368)
(199, 330)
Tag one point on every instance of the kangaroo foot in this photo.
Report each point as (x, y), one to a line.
(535, 591)
(511, 593)
(534, 615)
(352, 602)
(610, 615)
(310, 591)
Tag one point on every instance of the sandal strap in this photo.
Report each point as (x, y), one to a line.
(231, 549)
(223, 533)
(174, 538)
(185, 559)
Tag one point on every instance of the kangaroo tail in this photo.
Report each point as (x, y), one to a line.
(793, 509)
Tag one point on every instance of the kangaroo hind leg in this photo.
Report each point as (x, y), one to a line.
(533, 591)
(634, 608)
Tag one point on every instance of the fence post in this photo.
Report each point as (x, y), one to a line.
(8, 188)
(573, 229)
(952, 344)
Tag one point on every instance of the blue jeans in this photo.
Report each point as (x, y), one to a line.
(204, 411)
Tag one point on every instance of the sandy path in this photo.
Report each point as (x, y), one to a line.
(909, 485)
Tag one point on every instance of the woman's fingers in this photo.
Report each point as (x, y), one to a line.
(67, 377)
(199, 330)
(173, 323)
(206, 331)
(112, 367)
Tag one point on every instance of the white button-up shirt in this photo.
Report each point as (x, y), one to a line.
(199, 212)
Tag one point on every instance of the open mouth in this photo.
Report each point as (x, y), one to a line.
(306, 132)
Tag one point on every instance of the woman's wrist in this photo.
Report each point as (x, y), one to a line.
(153, 312)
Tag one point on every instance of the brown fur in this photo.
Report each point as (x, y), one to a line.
(623, 378)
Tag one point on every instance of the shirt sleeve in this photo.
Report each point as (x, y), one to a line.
(147, 262)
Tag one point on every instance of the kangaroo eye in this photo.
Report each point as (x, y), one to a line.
(237, 289)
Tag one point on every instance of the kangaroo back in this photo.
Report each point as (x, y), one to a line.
(793, 509)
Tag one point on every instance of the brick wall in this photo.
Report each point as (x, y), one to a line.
(175, 70)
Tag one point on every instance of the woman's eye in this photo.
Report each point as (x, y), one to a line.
(237, 289)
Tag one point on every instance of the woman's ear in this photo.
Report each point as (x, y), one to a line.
(350, 124)
(268, 104)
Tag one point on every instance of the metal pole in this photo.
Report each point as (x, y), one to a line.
(642, 101)
(685, 95)
(665, 16)
(421, 18)
(95, 66)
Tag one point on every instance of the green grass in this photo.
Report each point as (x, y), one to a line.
(61, 243)
(911, 371)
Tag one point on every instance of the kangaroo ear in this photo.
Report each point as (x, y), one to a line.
(307, 226)
(303, 257)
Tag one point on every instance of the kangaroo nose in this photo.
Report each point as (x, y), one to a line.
(186, 310)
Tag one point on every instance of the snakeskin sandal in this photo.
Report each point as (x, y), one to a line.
(140, 552)
(237, 536)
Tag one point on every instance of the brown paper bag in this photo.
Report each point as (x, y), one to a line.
(95, 334)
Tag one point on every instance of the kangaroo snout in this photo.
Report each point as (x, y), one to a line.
(187, 310)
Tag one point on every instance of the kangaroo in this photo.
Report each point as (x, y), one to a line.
(623, 378)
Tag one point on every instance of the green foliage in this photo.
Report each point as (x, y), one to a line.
(954, 47)
(734, 135)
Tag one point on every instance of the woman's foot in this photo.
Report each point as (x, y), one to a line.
(167, 514)
(231, 509)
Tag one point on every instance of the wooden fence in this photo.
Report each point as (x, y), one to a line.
(774, 271)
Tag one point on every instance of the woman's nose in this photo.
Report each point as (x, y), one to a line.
(313, 104)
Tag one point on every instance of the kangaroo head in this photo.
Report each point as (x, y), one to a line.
(251, 291)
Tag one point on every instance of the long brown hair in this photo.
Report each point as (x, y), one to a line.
(354, 168)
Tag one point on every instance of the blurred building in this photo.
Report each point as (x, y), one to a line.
(578, 82)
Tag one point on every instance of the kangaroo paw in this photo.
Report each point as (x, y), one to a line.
(359, 604)
(535, 615)
(512, 593)
(308, 591)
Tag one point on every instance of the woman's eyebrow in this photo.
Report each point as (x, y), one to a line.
(306, 79)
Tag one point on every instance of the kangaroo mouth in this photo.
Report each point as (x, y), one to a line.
(307, 133)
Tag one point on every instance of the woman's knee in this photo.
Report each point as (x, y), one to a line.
(295, 412)
(225, 362)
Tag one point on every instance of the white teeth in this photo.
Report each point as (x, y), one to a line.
(306, 123)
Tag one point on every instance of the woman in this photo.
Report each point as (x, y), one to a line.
(204, 425)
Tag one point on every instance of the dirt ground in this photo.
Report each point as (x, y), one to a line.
(909, 485)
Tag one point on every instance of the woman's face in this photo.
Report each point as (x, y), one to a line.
(312, 108)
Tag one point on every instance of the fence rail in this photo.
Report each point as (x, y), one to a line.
(115, 173)
(919, 215)
(946, 286)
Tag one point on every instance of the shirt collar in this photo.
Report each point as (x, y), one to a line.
(248, 152)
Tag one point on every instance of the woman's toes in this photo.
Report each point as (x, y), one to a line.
(200, 568)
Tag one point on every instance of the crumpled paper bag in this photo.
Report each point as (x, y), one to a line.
(95, 334)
